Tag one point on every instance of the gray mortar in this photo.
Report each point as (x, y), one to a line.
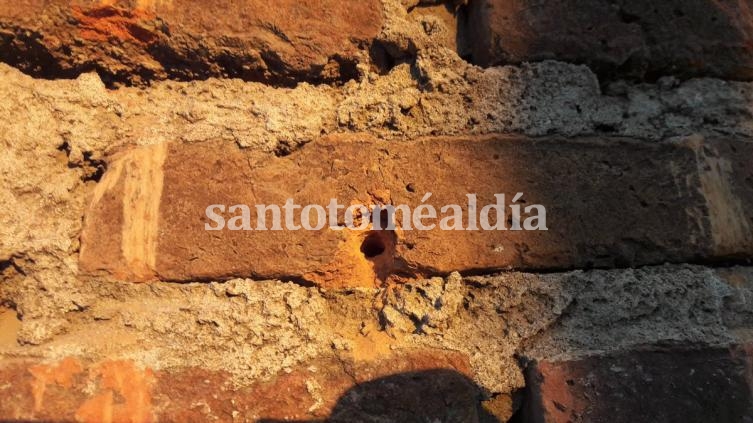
(439, 95)
(566, 316)
(256, 329)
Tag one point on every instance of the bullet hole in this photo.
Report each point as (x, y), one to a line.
(410, 188)
(373, 245)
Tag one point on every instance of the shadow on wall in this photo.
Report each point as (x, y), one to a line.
(427, 396)
(658, 385)
(633, 39)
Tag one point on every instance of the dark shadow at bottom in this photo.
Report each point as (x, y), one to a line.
(429, 396)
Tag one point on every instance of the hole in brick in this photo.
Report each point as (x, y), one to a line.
(373, 245)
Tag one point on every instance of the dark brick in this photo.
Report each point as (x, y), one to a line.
(676, 385)
(625, 38)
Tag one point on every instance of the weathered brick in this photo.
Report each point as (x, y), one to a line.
(675, 385)
(625, 38)
(419, 385)
(610, 202)
(136, 41)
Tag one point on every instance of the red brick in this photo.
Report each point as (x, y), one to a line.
(422, 384)
(280, 42)
(610, 202)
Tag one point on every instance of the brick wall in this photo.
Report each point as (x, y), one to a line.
(121, 121)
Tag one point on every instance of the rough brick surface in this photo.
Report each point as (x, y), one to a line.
(610, 202)
(105, 177)
(626, 38)
(643, 386)
(422, 385)
(280, 42)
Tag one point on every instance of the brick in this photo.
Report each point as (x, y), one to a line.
(673, 385)
(417, 385)
(610, 202)
(625, 38)
(280, 42)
